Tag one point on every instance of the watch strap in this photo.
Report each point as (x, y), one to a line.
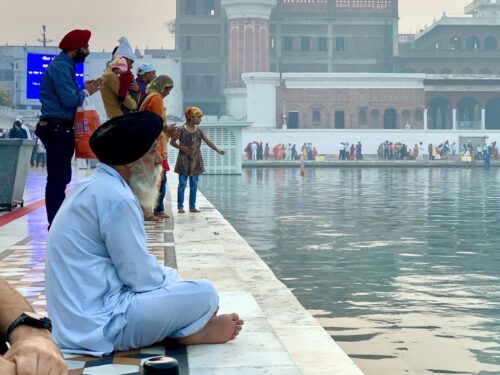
(25, 319)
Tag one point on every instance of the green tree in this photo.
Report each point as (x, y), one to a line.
(5, 98)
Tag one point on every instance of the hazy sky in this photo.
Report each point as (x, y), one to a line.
(143, 22)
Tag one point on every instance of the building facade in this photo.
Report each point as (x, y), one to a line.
(340, 64)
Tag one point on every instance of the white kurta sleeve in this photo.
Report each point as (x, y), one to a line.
(125, 238)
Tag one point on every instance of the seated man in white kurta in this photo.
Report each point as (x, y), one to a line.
(105, 292)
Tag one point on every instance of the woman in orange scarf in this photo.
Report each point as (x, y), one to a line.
(157, 90)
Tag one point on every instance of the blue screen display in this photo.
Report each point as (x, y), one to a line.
(36, 64)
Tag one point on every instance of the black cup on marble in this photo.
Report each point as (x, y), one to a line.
(161, 366)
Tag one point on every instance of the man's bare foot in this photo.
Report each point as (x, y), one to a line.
(219, 329)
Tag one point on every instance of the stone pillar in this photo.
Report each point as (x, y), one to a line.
(248, 44)
(426, 111)
(483, 119)
(248, 48)
(261, 98)
(454, 118)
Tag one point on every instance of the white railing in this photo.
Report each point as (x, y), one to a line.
(464, 125)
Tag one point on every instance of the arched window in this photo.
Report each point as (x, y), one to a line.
(375, 118)
(472, 43)
(419, 116)
(439, 114)
(428, 71)
(492, 114)
(316, 118)
(455, 43)
(363, 117)
(468, 113)
(446, 71)
(467, 71)
(390, 119)
(490, 43)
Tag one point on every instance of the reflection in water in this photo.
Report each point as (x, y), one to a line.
(401, 266)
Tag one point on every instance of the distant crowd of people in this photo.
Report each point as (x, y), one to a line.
(399, 151)
(256, 150)
(481, 152)
(352, 152)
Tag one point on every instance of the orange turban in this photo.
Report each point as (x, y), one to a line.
(193, 112)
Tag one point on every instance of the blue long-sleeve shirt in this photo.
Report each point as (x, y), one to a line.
(59, 92)
(96, 260)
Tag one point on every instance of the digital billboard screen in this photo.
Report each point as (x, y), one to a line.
(36, 64)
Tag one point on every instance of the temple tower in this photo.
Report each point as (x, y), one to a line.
(248, 47)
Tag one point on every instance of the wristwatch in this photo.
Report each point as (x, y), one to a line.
(31, 319)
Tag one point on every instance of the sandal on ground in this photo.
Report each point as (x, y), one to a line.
(194, 210)
(181, 210)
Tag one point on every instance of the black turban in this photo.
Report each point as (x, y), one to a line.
(125, 139)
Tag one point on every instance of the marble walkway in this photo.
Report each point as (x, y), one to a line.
(279, 338)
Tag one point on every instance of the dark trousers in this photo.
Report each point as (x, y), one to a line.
(59, 140)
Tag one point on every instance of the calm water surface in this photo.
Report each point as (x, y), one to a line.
(401, 266)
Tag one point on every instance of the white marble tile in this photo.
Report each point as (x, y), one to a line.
(73, 365)
(202, 247)
(269, 370)
(257, 349)
(241, 302)
(160, 244)
(111, 370)
(13, 232)
(31, 289)
(315, 351)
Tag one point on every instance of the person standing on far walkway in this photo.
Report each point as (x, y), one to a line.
(359, 151)
(189, 163)
(60, 95)
(253, 148)
(288, 152)
(260, 151)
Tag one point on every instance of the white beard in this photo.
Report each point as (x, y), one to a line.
(144, 183)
